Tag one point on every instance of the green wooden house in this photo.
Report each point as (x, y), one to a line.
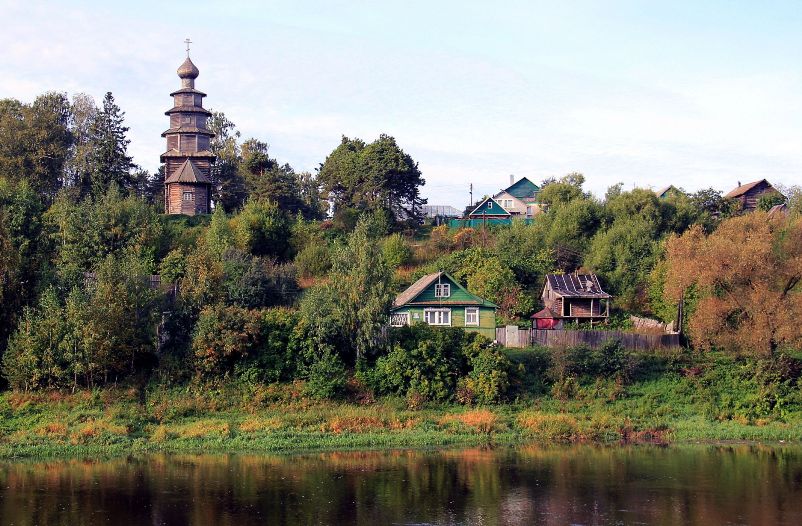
(489, 208)
(439, 300)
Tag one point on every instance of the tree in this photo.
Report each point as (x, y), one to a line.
(558, 193)
(103, 332)
(35, 357)
(279, 184)
(712, 207)
(625, 254)
(372, 177)
(24, 251)
(351, 310)
(83, 233)
(747, 275)
(262, 230)
(35, 142)
(109, 162)
(566, 230)
(78, 170)
(229, 183)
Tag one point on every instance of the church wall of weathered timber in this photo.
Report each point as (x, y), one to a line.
(188, 161)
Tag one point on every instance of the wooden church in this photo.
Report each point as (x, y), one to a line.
(188, 161)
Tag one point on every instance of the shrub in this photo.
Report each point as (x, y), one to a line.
(548, 426)
(396, 251)
(326, 377)
(223, 336)
(609, 360)
(439, 364)
(489, 377)
(205, 428)
(480, 420)
(314, 260)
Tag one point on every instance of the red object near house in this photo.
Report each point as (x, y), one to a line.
(545, 319)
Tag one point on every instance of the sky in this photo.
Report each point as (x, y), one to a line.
(690, 93)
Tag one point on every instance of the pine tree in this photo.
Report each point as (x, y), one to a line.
(110, 162)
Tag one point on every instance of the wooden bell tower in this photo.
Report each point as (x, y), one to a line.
(188, 161)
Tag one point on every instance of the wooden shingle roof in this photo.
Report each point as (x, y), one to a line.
(188, 129)
(576, 285)
(188, 173)
(187, 109)
(744, 188)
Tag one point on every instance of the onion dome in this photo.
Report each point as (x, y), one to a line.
(187, 70)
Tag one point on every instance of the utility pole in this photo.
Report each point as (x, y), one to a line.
(471, 192)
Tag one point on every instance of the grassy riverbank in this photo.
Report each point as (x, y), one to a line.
(671, 404)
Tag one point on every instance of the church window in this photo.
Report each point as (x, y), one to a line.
(189, 196)
(186, 119)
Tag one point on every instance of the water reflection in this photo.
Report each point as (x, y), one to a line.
(532, 485)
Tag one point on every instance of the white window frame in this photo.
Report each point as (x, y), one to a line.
(507, 204)
(472, 311)
(398, 315)
(437, 317)
(191, 197)
(442, 290)
(490, 204)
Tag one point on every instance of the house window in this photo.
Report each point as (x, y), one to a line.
(490, 204)
(189, 196)
(507, 204)
(471, 316)
(437, 316)
(399, 319)
(442, 290)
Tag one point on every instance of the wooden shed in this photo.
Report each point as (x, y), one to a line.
(571, 298)
(749, 194)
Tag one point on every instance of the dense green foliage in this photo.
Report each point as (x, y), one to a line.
(440, 365)
(267, 297)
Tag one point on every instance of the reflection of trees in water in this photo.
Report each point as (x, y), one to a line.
(681, 485)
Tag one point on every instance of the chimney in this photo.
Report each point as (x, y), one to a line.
(739, 183)
(512, 179)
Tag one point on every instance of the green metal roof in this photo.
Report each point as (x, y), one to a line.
(523, 188)
(489, 207)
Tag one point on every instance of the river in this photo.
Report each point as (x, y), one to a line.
(699, 484)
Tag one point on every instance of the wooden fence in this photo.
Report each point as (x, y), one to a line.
(555, 338)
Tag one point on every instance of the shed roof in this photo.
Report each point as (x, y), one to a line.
(744, 188)
(546, 313)
(781, 209)
(576, 285)
(188, 173)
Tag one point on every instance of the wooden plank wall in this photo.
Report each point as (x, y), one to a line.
(563, 338)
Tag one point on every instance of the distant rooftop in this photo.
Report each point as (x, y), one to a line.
(440, 210)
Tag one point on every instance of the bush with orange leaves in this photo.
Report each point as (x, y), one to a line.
(747, 274)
